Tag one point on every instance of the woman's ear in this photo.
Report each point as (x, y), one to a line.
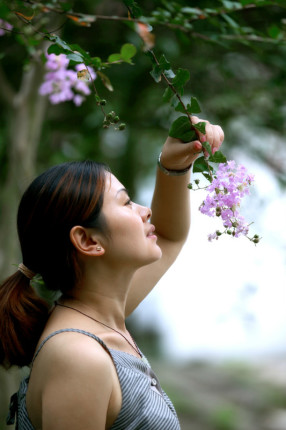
(85, 241)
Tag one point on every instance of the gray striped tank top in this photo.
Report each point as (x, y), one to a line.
(145, 406)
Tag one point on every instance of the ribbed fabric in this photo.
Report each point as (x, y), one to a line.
(145, 406)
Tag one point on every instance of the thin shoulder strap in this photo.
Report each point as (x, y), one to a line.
(76, 330)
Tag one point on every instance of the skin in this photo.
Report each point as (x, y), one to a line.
(72, 369)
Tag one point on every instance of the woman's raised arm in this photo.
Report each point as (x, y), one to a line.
(171, 207)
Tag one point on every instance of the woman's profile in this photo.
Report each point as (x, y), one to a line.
(80, 231)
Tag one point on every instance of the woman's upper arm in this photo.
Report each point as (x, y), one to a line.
(77, 391)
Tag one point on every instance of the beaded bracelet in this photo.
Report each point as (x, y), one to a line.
(172, 172)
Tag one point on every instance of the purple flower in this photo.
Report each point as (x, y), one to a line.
(5, 26)
(230, 184)
(61, 83)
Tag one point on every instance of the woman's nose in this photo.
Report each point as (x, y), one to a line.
(145, 213)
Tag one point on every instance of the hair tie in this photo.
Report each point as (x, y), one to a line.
(26, 272)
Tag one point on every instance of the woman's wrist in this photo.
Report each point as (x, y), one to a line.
(171, 172)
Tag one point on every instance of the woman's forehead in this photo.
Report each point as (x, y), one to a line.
(113, 185)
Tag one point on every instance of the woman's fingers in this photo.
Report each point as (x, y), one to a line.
(214, 134)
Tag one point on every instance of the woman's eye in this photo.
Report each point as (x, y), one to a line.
(129, 202)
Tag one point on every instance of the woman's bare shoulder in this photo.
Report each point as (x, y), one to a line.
(70, 370)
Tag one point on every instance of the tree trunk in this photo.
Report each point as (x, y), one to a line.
(26, 114)
(27, 110)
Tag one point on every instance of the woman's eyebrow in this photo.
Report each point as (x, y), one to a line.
(122, 190)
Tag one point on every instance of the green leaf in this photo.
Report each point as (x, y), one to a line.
(181, 78)
(218, 157)
(76, 58)
(96, 62)
(194, 107)
(114, 58)
(201, 127)
(169, 74)
(200, 165)
(207, 176)
(105, 80)
(156, 73)
(55, 49)
(163, 67)
(181, 128)
(207, 147)
(274, 31)
(174, 102)
(180, 108)
(127, 51)
(190, 108)
(78, 49)
(57, 40)
(164, 63)
(168, 94)
(166, 67)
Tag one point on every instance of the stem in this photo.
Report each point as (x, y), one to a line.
(184, 107)
(174, 90)
(95, 90)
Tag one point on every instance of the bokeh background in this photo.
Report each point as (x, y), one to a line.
(215, 326)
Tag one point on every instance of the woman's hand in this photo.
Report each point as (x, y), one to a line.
(177, 155)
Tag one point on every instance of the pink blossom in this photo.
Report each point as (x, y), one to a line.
(230, 184)
(5, 27)
(61, 84)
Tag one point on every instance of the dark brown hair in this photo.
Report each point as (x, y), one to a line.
(65, 195)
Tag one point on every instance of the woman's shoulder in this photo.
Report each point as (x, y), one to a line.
(71, 369)
(70, 347)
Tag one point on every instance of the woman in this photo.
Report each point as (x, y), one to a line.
(80, 231)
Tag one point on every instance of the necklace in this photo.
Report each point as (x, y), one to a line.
(136, 349)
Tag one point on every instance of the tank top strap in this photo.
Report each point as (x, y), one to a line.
(75, 330)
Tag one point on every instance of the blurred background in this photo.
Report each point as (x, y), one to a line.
(215, 326)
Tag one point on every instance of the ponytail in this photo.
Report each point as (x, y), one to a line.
(23, 315)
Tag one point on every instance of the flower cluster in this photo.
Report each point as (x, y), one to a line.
(4, 27)
(62, 84)
(229, 185)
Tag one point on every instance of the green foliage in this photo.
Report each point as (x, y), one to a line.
(181, 128)
(194, 36)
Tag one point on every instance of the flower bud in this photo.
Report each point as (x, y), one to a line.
(197, 181)
(229, 232)
(122, 126)
(102, 102)
(218, 233)
(116, 119)
(218, 211)
(190, 186)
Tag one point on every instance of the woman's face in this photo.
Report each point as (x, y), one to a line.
(132, 238)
